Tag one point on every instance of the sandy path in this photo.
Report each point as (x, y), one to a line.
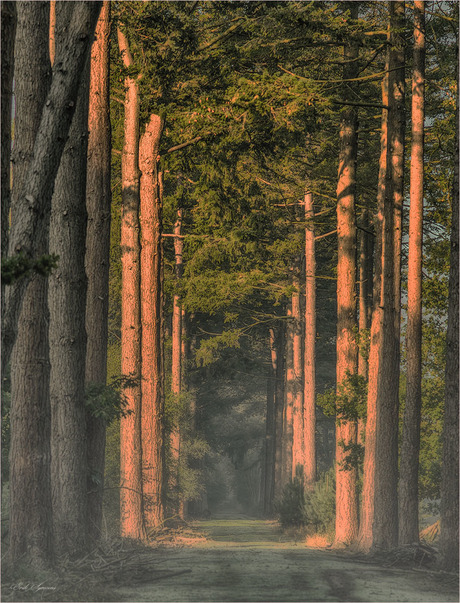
(244, 560)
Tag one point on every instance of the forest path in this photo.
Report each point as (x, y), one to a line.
(249, 560)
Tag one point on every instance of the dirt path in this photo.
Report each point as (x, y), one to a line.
(248, 560)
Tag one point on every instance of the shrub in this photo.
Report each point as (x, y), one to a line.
(320, 504)
(291, 507)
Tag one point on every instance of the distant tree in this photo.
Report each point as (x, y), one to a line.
(30, 473)
(410, 447)
(98, 204)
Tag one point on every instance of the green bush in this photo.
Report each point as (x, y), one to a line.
(320, 504)
(291, 507)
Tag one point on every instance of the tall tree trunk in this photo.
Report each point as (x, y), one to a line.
(51, 137)
(346, 524)
(408, 473)
(449, 484)
(98, 203)
(385, 525)
(177, 353)
(288, 406)
(131, 511)
(152, 325)
(367, 506)
(9, 19)
(365, 302)
(309, 416)
(67, 303)
(30, 471)
(279, 410)
(270, 428)
(297, 381)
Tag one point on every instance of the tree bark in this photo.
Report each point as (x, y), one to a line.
(30, 471)
(449, 483)
(270, 428)
(288, 406)
(365, 537)
(176, 364)
(309, 416)
(410, 448)
(67, 303)
(98, 204)
(346, 524)
(152, 325)
(297, 381)
(131, 509)
(385, 526)
(279, 410)
(9, 19)
(51, 137)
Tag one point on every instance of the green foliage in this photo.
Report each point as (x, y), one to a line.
(354, 458)
(291, 507)
(348, 402)
(210, 348)
(320, 504)
(108, 401)
(19, 266)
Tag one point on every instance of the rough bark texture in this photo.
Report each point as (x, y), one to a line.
(367, 506)
(286, 454)
(270, 428)
(346, 524)
(67, 304)
(177, 353)
(131, 513)
(309, 417)
(449, 486)
(98, 203)
(51, 137)
(30, 454)
(152, 324)
(408, 472)
(279, 410)
(8, 17)
(385, 525)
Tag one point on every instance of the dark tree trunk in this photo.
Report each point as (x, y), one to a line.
(279, 410)
(410, 448)
(8, 17)
(98, 203)
(67, 303)
(346, 524)
(131, 512)
(152, 383)
(51, 137)
(449, 484)
(30, 471)
(270, 428)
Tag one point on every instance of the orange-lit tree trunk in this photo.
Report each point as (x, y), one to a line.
(346, 524)
(177, 353)
(131, 514)
(385, 524)
(30, 530)
(288, 406)
(279, 410)
(367, 505)
(408, 473)
(309, 417)
(365, 303)
(98, 202)
(152, 325)
(450, 483)
(296, 383)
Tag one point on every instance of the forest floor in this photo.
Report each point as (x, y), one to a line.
(238, 559)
